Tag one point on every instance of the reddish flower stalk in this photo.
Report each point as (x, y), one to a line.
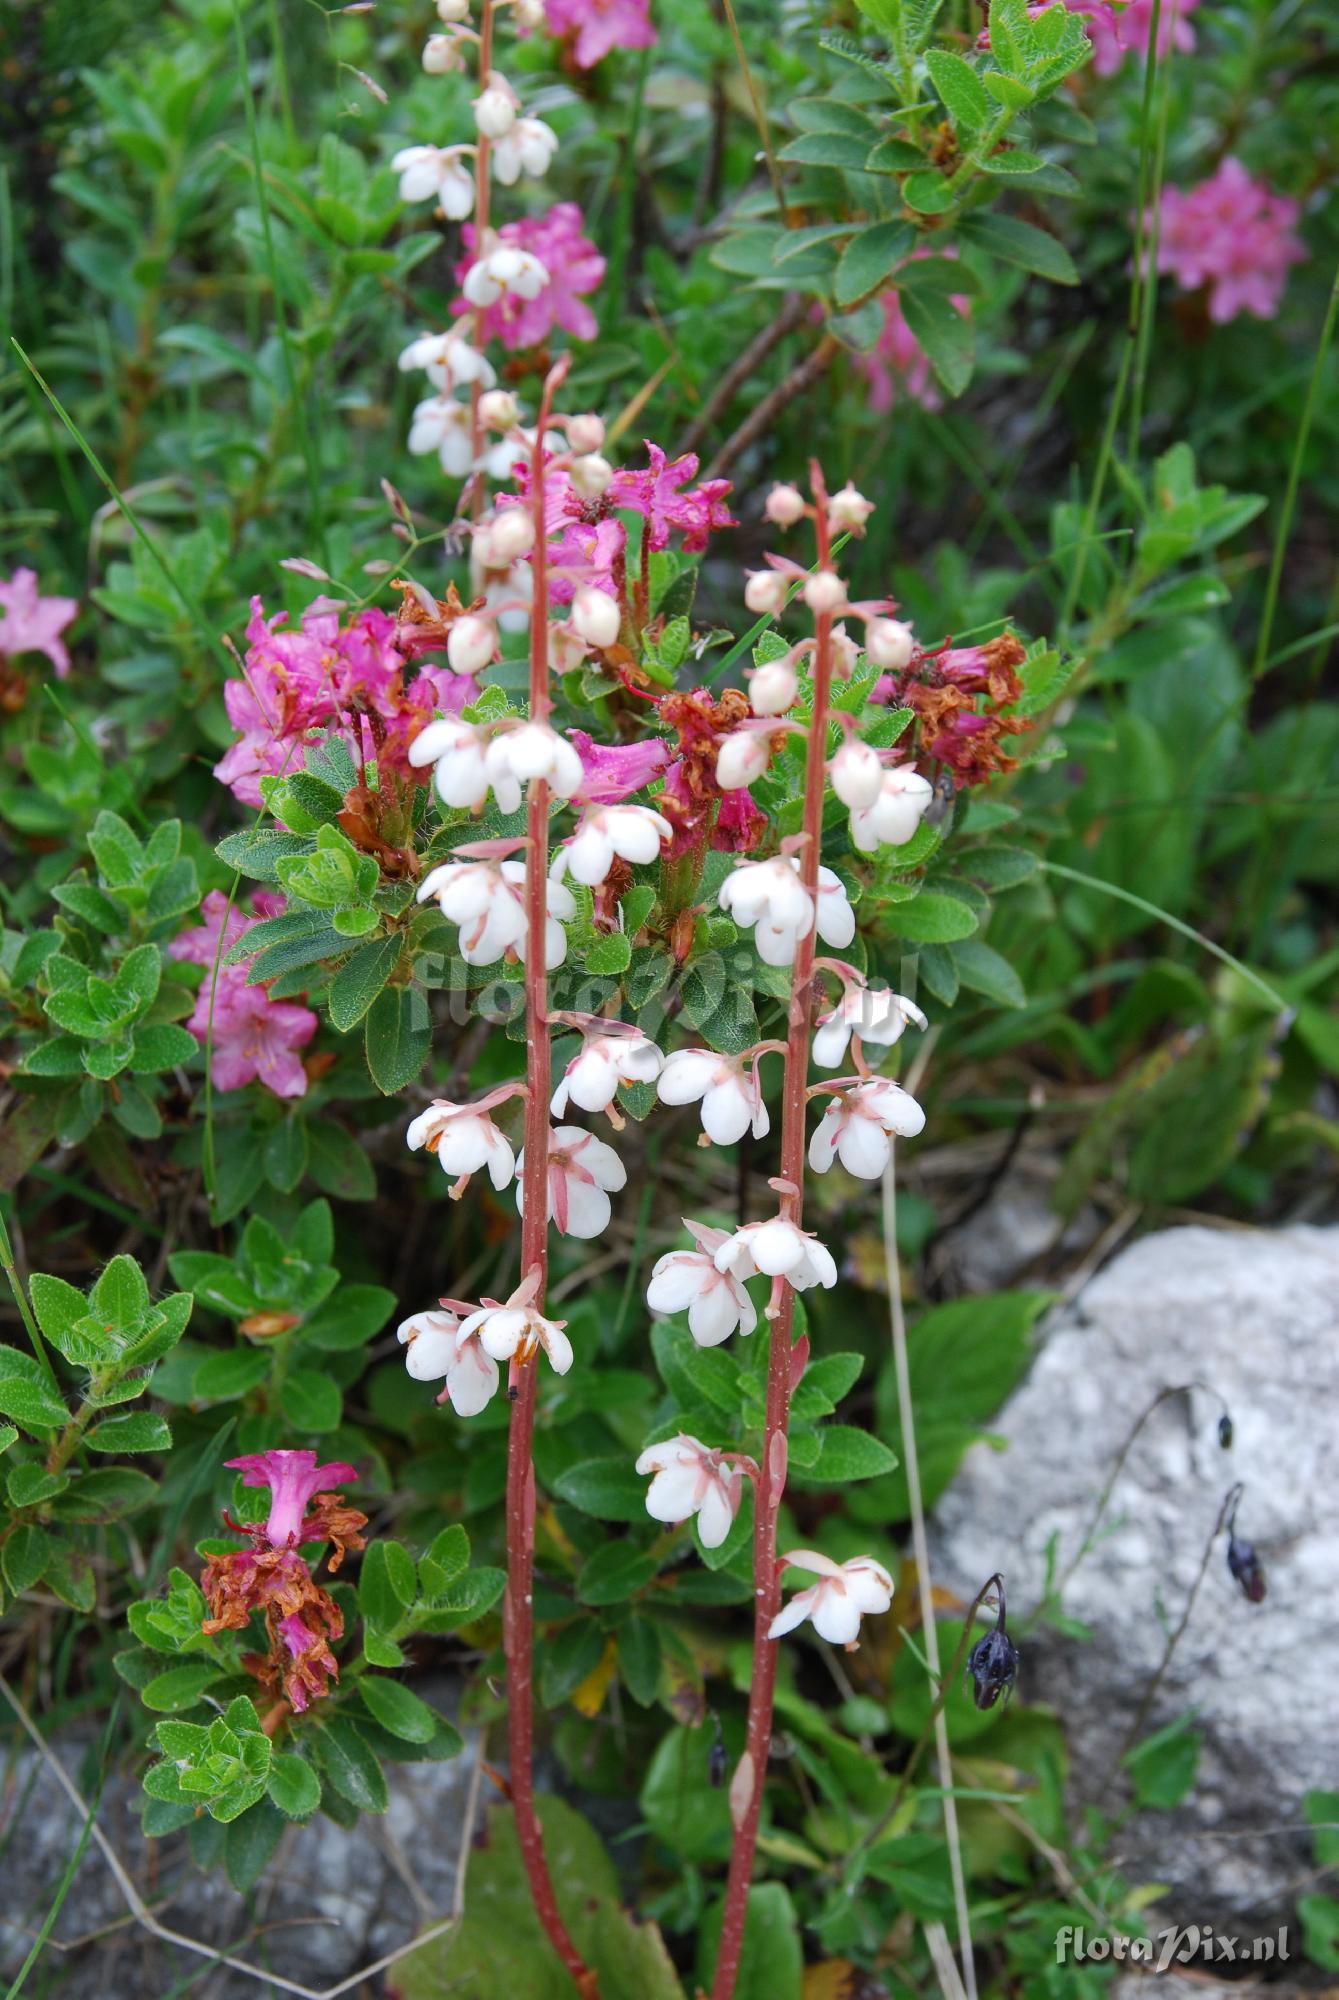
(518, 1621)
(746, 1786)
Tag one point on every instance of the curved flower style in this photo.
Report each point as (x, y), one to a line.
(628, 833)
(871, 1014)
(465, 1140)
(857, 1126)
(519, 309)
(691, 1479)
(715, 1300)
(612, 1056)
(295, 1480)
(250, 1036)
(437, 1346)
(487, 900)
(33, 624)
(1233, 235)
(583, 1171)
(729, 1092)
(769, 898)
(895, 814)
(778, 1248)
(844, 1594)
(599, 26)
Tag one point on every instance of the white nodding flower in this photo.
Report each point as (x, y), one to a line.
(844, 1594)
(690, 1478)
(437, 1345)
(889, 644)
(451, 363)
(605, 1062)
(824, 591)
(896, 812)
(442, 54)
(524, 755)
(784, 506)
(583, 1173)
(471, 644)
(773, 687)
(849, 510)
(453, 11)
(465, 1140)
(585, 432)
(504, 269)
(496, 108)
(857, 1128)
(769, 898)
(443, 426)
(455, 750)
(487, 900)
(529, 15)
(633, 833)
(500, 411)
(778, 1248)
(856, 773)
(504, 538)
(528, 148)
(765, 592)
(590, 475)
(689, 1281)
(595, 615)
(729, 1093)
(514, 1332)
(742, 759)
(430, 173)
(873, 1013)
(845, 652)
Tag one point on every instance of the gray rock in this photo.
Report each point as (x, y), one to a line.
(1255, 1316)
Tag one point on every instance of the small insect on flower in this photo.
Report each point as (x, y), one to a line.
(992, 1664)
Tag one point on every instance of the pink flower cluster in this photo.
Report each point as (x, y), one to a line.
(1231, 234)
(1115, 34)
(588, 543)
(598, 26)
(33, 624)
(326, 675)
(573, 263)
(253, 1035)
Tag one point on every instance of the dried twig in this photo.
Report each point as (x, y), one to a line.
(801, 377)
(792, 313)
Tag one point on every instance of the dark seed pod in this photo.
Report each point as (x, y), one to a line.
(716, 1758)
(992, 1665)
(1225, 1431)
(1246, 1569)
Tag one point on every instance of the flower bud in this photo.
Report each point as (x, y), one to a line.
(509, 535)
(773, 688)
(889, 644)
(848, 510)
(590, 475)
(494, 112)
(586, 432)
(825, 592)
(499, 410)
(595, 615)
(453, 10)
(765, 592)
(785, 506)
(470, 644)
(856, 773)
(529, 14)
(741, 760)
(441, 54)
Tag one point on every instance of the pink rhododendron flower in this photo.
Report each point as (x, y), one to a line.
(294, 1479)
(253, 1035)
(326, 674)
(1115, 33)
(33, 624)
(597, 26)
(615, 770)
(1231, 234)
(655, 495)
(574, 267)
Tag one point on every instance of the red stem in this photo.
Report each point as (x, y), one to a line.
(518, 1619)
(746, 1788)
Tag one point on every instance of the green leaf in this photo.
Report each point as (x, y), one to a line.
(570, 1654)
(161, 1046)
(608, 1488)
(608, 956)
(959, 88)
(294, 1786)
(1162, 1768)
(24, 1394)
(614, 1573)
(379, 1600)
(894, 156)
(396, 1709)
(121, 1295)
(870, 258)
(981, 968)
(639, 1658)
(138, 1430)
(928, 192)
(1015, 242)
(257, 852)
(25, 1555)
(250, 1842)
(828, 149)
(397, 1038)
(930, 917)
(119, 856)
(357, 984)
(180, 1687)
(235, 1373)
(351, 1317)
(680, 1804)
(350, 1764)
(944, 334)
(446, 1559)
(311, 1401)
(60, 1310)
(846, 1455)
